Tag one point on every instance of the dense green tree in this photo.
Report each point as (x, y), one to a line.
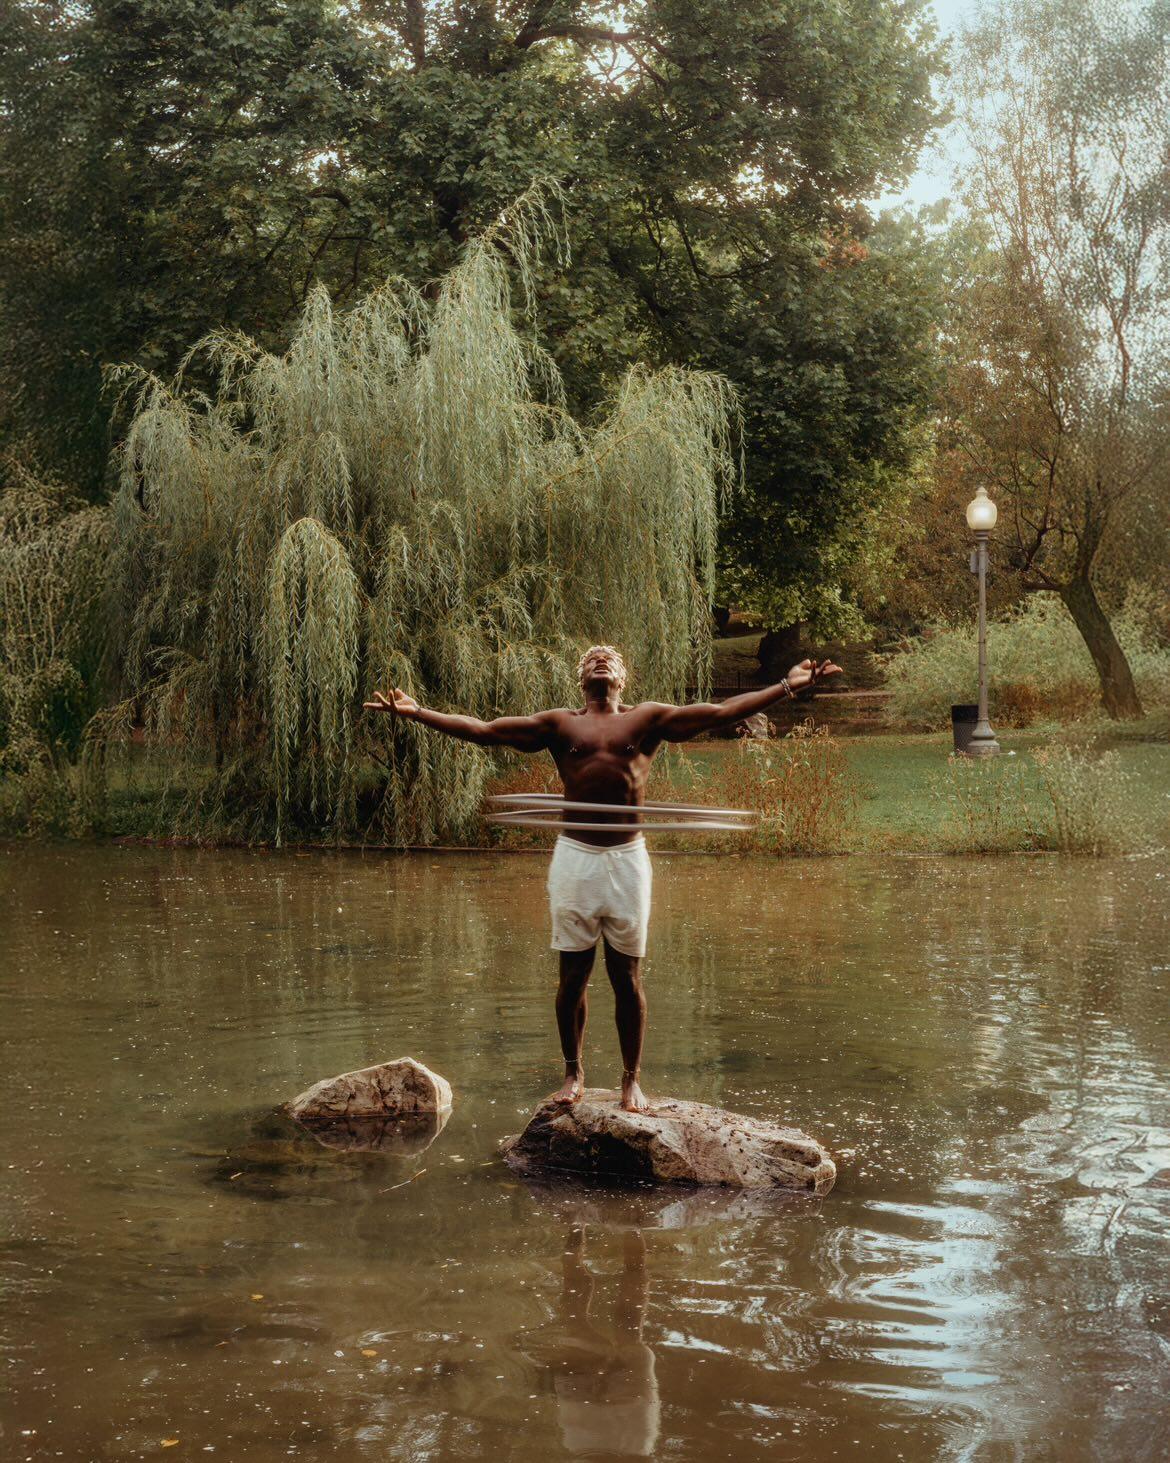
(156, 158)
(169, 166)
(837, 367)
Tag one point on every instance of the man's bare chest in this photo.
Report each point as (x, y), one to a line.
(613, 737)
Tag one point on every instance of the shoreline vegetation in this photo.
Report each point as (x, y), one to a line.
(1089, 788)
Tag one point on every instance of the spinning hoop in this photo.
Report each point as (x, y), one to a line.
(546, 810)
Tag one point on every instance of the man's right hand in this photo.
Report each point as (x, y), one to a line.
(399, 703)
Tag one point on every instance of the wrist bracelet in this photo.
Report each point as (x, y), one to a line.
(787, 688)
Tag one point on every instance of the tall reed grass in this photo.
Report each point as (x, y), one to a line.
(801, 786)
(1071, 797)
(1088, 801)
(985, 805)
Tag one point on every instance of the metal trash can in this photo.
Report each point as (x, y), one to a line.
(964, 720)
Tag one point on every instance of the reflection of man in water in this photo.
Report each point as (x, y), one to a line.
(605, 1383)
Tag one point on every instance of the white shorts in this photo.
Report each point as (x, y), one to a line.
(595, 891)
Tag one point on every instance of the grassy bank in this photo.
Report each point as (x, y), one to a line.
(913, 792)
(1097, 789)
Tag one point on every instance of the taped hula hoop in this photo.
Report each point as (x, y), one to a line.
(547, 809)
(554, 802)
(561, 825)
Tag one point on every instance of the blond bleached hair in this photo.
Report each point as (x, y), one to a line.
(611, 650)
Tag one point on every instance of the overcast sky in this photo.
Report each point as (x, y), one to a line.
(932, 180)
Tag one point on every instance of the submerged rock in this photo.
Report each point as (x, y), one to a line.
(390, 1089)
(675, 1142)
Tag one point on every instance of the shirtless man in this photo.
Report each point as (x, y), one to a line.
(599, 881)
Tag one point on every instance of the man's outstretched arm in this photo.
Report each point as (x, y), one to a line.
(680, 723)
(522, 733)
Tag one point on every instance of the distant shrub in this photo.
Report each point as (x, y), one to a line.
(1040, 667)
(984, 804)
(1081, 799)
(1091, 801)
(521, 774)
(37, 797)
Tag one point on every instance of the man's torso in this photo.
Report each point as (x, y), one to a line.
(604, 757)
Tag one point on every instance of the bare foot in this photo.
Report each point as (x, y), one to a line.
(573, 1087)
(633, 1098)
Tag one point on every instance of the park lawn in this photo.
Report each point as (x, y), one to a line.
(904, 780)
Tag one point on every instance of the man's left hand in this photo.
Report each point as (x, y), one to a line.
(810, 673)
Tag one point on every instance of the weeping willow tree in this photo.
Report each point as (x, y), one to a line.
(401, 498)
(52, 565)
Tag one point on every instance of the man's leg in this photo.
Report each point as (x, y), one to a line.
(629, 1004)
(576, 1282)
(572, 1013)
(630, 1311)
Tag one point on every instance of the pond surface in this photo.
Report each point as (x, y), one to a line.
(985, 1046)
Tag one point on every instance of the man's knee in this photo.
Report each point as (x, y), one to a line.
(624, 971)
(575, 966)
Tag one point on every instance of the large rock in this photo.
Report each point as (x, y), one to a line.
(391, 1089)
(676, 1142)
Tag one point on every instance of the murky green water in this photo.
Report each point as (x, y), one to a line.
(985, 1045)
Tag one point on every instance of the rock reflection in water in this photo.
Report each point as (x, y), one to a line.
(404, 1137)
(279, 1157)
(661, 1206)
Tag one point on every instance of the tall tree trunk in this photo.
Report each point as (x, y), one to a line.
(1118, 693)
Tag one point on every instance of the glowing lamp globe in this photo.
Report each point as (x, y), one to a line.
(981, 512)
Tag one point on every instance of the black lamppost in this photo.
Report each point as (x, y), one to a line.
(981, 516)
